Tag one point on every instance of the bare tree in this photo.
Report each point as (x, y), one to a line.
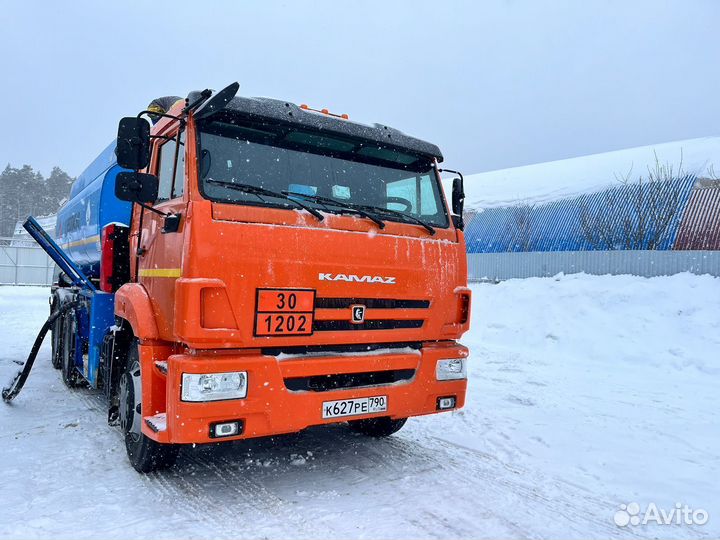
(599, 220)
(521, 239)
(638, 214)
(711, 175)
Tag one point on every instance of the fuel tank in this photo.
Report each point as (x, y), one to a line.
(91, 206)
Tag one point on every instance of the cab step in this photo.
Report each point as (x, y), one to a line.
(157, 423)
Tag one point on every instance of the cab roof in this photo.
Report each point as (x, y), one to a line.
(283, 112)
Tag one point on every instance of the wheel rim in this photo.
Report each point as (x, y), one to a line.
(130, 402)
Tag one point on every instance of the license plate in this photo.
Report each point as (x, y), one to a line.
(354, 407)
(281, 312)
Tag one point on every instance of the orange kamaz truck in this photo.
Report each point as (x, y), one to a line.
(237, 267)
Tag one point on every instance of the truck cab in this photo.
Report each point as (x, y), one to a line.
(290, 268)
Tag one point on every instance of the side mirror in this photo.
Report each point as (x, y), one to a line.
(133, 143)
(136, 187)
(458, 200)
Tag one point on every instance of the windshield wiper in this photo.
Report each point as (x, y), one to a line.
(325, 201)
(256, 190)
(365, 210)
(405, 217)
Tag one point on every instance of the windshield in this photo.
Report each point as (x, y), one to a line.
(315, 165)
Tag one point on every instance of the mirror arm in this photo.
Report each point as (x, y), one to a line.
(458, 219)
(139, 251)
(155, 210)
(462, 179)
(159, 114)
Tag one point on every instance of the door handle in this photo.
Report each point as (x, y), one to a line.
(171, 223)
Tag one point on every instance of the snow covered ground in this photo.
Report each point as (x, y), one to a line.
(587, 392)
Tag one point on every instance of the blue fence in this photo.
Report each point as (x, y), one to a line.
(629, 216)
(501, 266)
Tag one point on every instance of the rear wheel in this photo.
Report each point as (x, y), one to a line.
(145, 454)
(377, 427)
(56, 341)
(70, 375)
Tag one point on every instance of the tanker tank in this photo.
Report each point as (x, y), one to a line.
(92, 205)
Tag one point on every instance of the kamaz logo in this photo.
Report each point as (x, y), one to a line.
(353, 278)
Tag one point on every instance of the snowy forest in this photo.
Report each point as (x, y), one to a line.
(24, 191)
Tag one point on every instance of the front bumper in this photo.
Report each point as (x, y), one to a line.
(270, 408)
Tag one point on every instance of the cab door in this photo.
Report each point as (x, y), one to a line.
(161, 246)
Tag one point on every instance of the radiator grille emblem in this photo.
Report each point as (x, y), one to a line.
(358, 313)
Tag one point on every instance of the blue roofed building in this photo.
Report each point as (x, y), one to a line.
(636, 199)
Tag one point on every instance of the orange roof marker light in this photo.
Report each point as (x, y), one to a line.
(344, 116)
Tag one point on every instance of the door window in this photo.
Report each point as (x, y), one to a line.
(170, 174)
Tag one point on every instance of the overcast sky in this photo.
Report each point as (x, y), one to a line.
(494, 83)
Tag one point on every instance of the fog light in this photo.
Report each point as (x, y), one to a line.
(451, 369)
(225, 429)
(214, 386)
(444, 403)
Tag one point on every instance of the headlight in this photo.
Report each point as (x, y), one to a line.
(452, 369)
(214, 386)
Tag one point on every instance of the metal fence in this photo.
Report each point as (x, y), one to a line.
(24, 263)
(500, 266)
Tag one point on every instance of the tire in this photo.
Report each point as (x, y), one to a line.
(70, 375)
(145, 455)
(377, 427)
(56, 340)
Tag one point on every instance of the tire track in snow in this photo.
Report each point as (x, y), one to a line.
(570, 507)
(207, 483)
(212, 480)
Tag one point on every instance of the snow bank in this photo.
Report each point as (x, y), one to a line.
(607, 383)
(545, 182)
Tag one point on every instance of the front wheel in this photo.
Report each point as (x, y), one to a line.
(145, 454)
(377, 427)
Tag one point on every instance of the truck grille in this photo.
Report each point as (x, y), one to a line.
(340, 321)
(375, 324)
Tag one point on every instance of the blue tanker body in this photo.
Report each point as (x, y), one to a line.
(91, 206)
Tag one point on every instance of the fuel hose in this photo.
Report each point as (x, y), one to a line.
(13, 389)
